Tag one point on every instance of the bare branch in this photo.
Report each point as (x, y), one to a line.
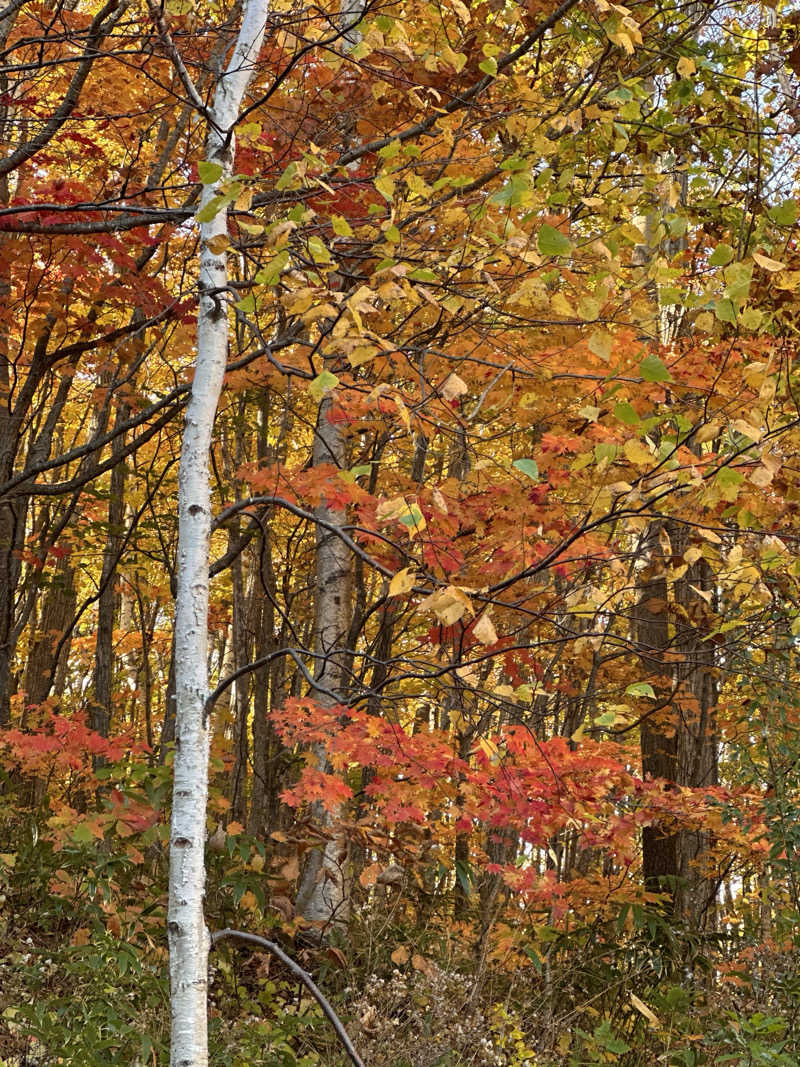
(298, 972)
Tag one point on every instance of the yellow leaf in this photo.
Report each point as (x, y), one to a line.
(636, 452)
(453, 387)
(244, 201)
(391, 509)
(761, 477)
(561, 306)
(744, 427)
(484, 631)
(648, 1013)
(707, 433)
(490, 749)
(601, 343)
(319, 311)
(402, 582)
(249, 901)
(686, 67)
(362, 354)
(735, 556)
(253, 228)
(403, 410)
(448, 604)
(766, 263)
(217, 245)
(709, 535)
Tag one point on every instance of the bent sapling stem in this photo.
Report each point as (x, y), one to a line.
(305, 978)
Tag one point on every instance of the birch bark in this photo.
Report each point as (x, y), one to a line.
(188, 937)
(322, 896)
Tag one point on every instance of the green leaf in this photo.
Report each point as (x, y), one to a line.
(464, 875)
(319, 252)
(489, 66)
(412, 518)
(322, 384)
(389, 151)
(208, 172)
(271, 272)
(751, 318)
(512, 192)
(392, 234)
(721, 255)
(725, 310)
(247, 304)
(626, 413)
(81, 834)
(552, 242)
(729, 481)
(785, 214)
(653, 370)
(210, 210)
(527, 466)
(669, 295)
(641, 689)
(287, 177)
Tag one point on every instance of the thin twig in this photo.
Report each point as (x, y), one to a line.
(305, 978)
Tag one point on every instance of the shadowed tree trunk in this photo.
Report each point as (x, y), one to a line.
(659, 740)
(101, 706)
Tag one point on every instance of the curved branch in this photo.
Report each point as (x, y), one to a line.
(298, 972)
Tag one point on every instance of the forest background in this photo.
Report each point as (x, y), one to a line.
(503, 723)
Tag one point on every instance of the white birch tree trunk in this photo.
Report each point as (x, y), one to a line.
(188, 937)
(322, 896)
(323, 893)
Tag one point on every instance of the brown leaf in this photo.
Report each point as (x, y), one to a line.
(393, 875)
(369, 875)
(283, 906)
(291, 869)
(337, 956)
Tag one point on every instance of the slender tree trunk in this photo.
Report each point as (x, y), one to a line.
(188, 937)
(58, 609)
(100, 712)
(697, 736)
(240, 657)
(659, 739)
(322, 895)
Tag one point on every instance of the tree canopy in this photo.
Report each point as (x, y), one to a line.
(501, 636)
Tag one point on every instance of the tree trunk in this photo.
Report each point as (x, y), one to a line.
(659, 739)
(322, 894)
(100, 712)
(188, 937)
(697, 736)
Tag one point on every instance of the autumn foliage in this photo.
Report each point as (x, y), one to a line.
(536, 266)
